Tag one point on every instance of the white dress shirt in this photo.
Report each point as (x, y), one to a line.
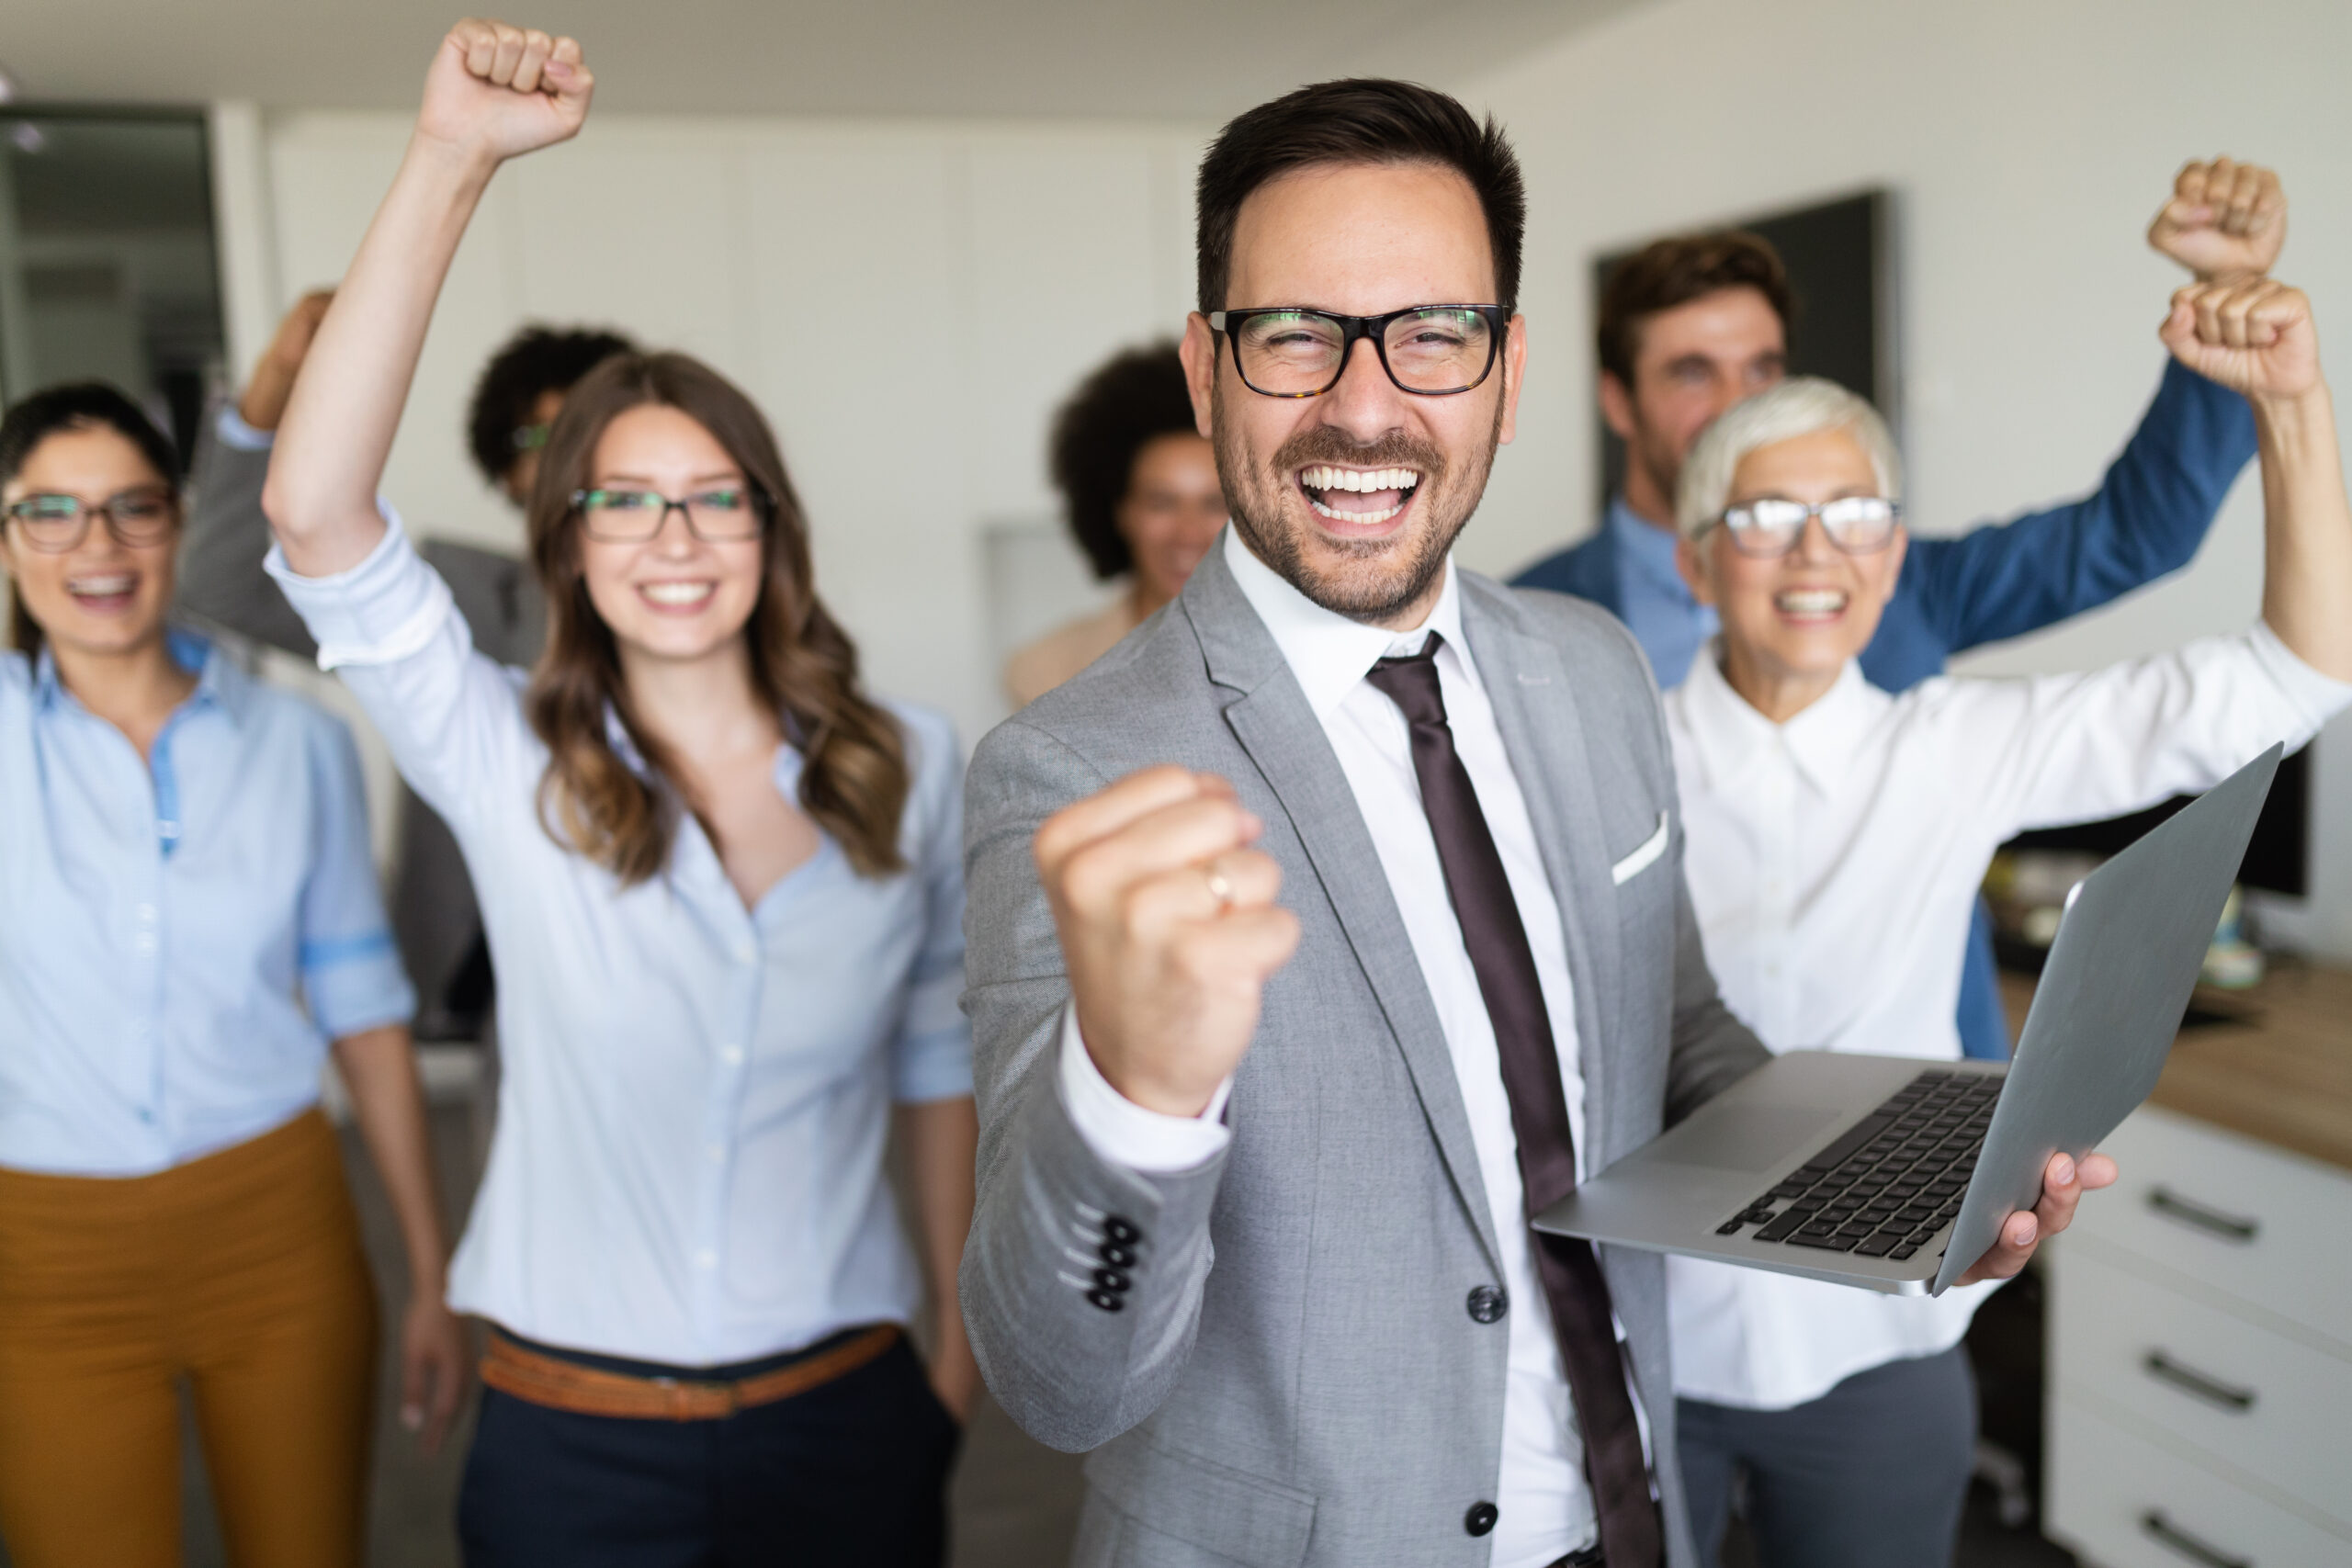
(688, 1162)
(1544, 1508)
(1833, 861)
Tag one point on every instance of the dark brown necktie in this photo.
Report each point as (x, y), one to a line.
(1496, 941)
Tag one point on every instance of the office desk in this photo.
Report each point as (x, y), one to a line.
(2199, 1391)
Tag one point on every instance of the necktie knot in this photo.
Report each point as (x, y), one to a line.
(1410, 681)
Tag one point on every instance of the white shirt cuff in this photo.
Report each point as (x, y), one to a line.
(383, 610)
(1118, 1129)
(235, 432)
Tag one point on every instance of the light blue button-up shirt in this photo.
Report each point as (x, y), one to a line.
(1659, 609)
(688, 1162)
(179, 938)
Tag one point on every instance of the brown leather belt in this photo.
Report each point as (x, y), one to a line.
(559, 1385)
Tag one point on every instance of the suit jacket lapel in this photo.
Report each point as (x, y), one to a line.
(1544, 736)
(1272, 719)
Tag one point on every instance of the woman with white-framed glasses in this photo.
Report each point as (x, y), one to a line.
(189, 924)
(1835, 836)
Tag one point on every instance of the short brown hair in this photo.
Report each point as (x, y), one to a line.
(854, 781)
(1127, 403)
(1674, 271)
(1358, 121)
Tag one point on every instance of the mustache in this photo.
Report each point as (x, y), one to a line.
(1323, 444)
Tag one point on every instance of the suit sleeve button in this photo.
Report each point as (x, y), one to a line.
(1107, 1301)
(1489, 1302)
(1113, 1280)
(1481, 1518)
(1117, 1256)
(1123, 1232)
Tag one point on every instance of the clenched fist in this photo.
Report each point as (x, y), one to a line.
(495, 91)
(2225, 220)
(1169, 928)
(2252, 335)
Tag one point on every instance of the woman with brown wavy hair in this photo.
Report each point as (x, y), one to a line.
(723, 891)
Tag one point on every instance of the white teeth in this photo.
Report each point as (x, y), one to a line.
(677, 592)
(102, 587)
(1361, 480)
(1359, 518)
(1811, 601)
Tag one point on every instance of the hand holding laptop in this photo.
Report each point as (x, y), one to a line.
(2063, 1186)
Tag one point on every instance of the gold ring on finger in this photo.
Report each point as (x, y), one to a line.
(1219, 888)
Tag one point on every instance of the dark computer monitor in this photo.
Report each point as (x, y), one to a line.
(2279, 860)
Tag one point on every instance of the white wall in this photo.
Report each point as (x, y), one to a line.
(2028, 145)
(908, 302)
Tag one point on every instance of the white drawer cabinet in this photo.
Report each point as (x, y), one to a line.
(2121, 1501)
(2201, 1357)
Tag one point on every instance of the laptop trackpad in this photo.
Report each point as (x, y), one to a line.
(1758, 1137)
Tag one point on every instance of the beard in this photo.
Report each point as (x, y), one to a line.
(1374, 579)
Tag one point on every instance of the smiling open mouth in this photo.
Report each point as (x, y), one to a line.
(689, 595)
(104, 590)
(1359, 497)
(1810, 604)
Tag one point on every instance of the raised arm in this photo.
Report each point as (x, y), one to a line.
(494, 92)
(2224, 221)
(2257, 337)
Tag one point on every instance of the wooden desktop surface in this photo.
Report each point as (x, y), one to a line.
(2282, 1075)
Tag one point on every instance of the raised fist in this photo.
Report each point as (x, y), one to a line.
(2224, 220)
(498, 91)
(2251, 334)
(1168, 930)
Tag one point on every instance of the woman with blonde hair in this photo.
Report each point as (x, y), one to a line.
(1833, 835)
(723, 890)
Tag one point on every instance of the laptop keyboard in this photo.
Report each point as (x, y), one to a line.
(1891, 1182)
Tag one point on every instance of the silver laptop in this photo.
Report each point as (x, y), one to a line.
(1895, 1173)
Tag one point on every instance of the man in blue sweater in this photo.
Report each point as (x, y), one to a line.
(1690, 325)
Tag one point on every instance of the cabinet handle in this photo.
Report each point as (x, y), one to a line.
(2163, 1532)
(2173, 1206)
(2163, 1368)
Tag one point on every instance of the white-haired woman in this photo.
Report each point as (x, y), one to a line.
(1836, 831)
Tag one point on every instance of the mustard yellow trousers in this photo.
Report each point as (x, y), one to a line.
(241, 1274)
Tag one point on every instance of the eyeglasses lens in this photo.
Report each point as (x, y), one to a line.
(1298, 353)
(634, 516)
(57, 523)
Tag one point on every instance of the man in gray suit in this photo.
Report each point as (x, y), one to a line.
(1329, 924)
(221, 583)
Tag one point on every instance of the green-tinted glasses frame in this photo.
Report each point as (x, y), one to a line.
(1228, 324)
(759, 507)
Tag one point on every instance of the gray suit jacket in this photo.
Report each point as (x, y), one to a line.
(221, 583)
(1294, 1377)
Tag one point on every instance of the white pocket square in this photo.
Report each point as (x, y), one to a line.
(1634, 864)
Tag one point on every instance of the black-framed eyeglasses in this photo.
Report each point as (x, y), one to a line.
(54, 524)
(1768, 528)
(1431, 351)
(623, 515)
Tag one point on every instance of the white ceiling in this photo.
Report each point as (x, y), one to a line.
(1190, 59)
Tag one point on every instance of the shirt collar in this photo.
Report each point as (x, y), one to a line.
(218, 682)
(1328, 653)
(1729, 737)
(1648, 549)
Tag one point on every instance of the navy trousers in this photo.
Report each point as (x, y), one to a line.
(852, 1472)
(1872, 1474)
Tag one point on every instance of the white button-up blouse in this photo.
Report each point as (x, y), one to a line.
(1833, 861)
(688, 1162)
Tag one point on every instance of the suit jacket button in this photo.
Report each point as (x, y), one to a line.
(1489, 1302)
(1123, 1232)
(1481, 1518)
(1107, 1301)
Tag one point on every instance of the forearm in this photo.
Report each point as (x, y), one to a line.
(2307, 552)
(379, 1066)
(942, 1139)
(346, 407)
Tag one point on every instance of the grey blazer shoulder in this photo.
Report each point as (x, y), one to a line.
(1273, 1354)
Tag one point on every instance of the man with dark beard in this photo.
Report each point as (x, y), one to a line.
(1254, 1176)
